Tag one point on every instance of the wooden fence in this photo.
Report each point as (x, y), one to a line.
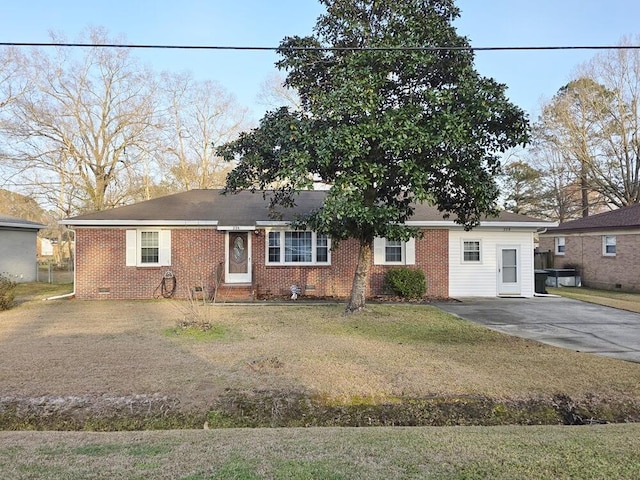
(542, 260)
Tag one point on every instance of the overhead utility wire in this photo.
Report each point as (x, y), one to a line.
(363, 49)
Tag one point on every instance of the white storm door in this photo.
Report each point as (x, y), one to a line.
(238, 257)
(509, 270)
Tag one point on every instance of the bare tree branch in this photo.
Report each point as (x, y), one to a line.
(78, 118)
(198, 117)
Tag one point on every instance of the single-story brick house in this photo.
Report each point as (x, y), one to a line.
(604, 248)
(18, 259)
(124, 253)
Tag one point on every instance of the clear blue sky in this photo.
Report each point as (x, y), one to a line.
(530, 76)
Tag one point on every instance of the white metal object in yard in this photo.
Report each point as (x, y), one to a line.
(295, 291)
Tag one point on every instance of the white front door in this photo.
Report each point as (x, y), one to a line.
(238, 257)
(509, 270)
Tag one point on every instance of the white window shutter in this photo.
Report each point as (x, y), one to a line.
(164, 253)
(132, 248)
(165, 248)
(379, 251)
(410, 252)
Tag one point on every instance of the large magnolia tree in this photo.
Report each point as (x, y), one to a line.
(392, 113)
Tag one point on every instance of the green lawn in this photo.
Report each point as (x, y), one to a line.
(597, 452)
(111, 360)
(609, 298)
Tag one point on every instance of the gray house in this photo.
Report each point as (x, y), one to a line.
(18, 248)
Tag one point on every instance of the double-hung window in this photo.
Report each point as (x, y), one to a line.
(394, 252)
(560, 245)
(322, 248)
(609, 245)
(148, 247)
(273, 249)
(471, 252)
(297, 247)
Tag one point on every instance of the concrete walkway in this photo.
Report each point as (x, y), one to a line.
(561, 322)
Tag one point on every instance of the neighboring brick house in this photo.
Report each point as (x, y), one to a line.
(126, 252)
(18, 259)
(604, 248)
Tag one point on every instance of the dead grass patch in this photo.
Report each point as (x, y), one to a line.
(386, 354)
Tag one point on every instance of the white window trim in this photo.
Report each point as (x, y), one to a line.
(557, 245)
(471, 262)
(380, 254)
(604, 246)
(134, 248)
(282, 262)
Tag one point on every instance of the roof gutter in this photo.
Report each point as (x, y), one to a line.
(134, 223)
(272, 223)
(23, 226)
(485, 224)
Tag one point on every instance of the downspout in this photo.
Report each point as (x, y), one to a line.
(75, 260)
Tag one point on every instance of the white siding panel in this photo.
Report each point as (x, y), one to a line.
(528, 267)
(468, 279)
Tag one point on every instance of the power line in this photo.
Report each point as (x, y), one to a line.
(311, 49)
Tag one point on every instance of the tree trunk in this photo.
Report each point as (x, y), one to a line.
(584, 188)
(359, 287)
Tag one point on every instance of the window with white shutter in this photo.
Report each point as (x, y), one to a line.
(394, 252)
(148, 248)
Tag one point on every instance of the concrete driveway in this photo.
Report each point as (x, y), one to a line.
(561, 322)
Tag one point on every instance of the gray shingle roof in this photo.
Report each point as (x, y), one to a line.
(623, 218)
(241, 209)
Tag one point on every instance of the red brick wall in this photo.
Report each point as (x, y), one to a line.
(327, 281)
(432, 257)
(599, 271)
(101, 263)
(100, 257)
